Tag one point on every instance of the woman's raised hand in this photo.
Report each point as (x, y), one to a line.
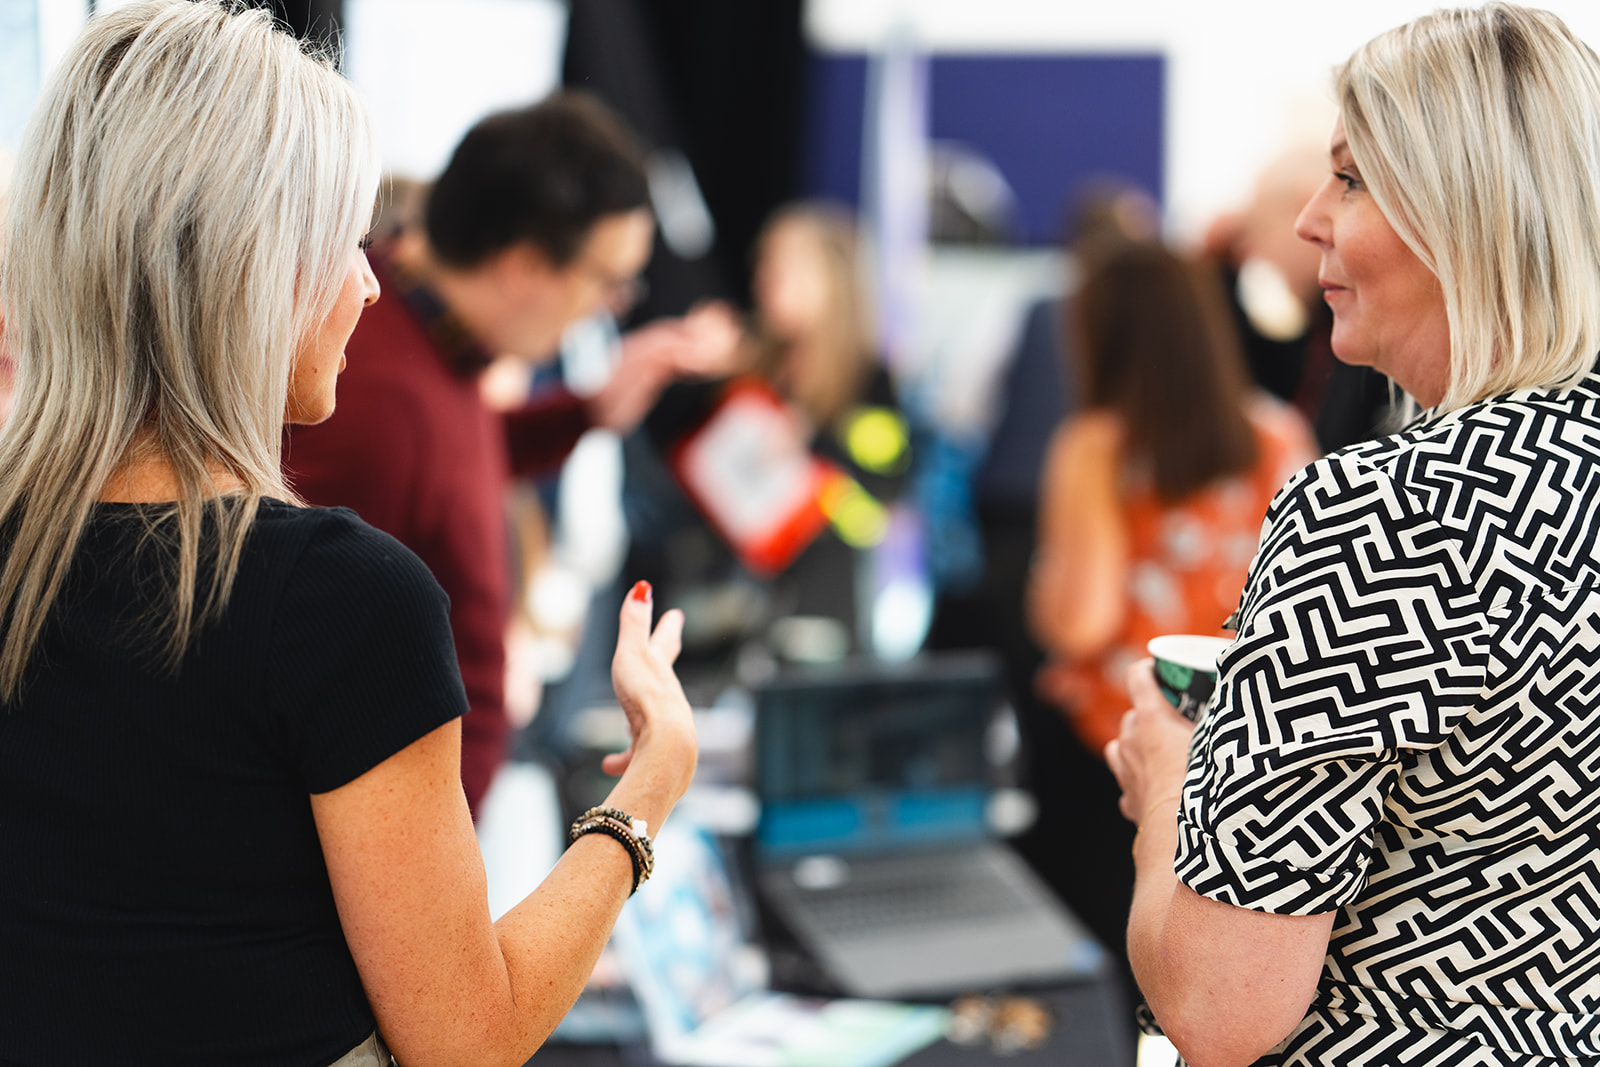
(658, 714)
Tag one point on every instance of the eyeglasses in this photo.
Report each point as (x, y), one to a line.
(625, 295)
(621, 294)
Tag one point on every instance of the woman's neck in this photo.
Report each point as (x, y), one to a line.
(146, 477)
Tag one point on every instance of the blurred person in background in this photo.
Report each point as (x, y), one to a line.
(811, 338)
(1154, 490)
(540, 219)
(810, 328)
(808, 341)
(1378, 844)
(1270, 276)
(230, 796)
(1037, 391)
(1150, 507)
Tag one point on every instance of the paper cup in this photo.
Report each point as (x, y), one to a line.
(1186, 669)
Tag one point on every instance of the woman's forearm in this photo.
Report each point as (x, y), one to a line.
(1227, 984)
(553, 938)
(448, 987)
(1154, 845)
(1193, 1011)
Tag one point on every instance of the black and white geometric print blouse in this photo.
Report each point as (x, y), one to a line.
(1407, 731)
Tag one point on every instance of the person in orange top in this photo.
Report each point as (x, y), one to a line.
(1152, 496)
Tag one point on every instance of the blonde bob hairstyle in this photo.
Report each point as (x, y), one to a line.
(1478, 133)
(188, 194)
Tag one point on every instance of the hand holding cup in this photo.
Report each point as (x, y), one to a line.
(1186, 670)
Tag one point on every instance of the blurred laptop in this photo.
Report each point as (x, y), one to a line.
(874, 846)
(700, 982)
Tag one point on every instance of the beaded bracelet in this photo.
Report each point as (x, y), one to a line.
(622, 837)
(637, 827)
(637, 844)
(626, 831)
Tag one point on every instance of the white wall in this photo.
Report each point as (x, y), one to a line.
(1243, 75)
(33, 34)
(19, 64)
(59, 22)
(431, 68)
(428, 68)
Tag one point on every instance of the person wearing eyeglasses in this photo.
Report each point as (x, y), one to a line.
(541, 219)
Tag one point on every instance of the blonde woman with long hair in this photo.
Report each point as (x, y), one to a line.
(230, 799)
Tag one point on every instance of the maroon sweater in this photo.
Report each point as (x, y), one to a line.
(413, 451)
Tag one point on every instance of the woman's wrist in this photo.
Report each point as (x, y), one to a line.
(670, 740)
(660, 770)
(628, 830)
(1165, 808)
(1168, 802)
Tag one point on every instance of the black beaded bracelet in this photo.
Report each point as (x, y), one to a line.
(621, 837)
(636, 828)
(613, 813)
(634, 837)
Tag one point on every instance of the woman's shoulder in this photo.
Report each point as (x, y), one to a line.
(1497, 446)
(1526, 428)
(334, 544)
(1093, 430)
(338, 526)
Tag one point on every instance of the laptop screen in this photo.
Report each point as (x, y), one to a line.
(875, 760)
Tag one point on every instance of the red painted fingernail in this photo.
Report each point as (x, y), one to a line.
(641, 592)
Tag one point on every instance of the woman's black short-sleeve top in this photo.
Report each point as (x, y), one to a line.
(164, 897)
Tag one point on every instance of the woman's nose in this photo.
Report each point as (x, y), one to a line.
(1312, 222)
(370, 280)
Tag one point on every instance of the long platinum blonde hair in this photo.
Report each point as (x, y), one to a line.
(187, 197)
(1478, 133)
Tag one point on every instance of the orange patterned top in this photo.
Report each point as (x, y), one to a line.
(1186, 568)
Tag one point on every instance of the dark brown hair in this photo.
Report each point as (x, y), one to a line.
(544, 174)
(1155, 344)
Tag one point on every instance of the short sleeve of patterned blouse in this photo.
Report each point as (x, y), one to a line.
(1361, 641)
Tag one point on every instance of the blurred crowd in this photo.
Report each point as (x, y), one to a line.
(777, 473)
(315, 534)
(1142, 418)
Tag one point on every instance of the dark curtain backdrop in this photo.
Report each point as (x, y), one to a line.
(720, 80)
(723, 81)
(320, 19)
(317, 19)
(736, 73)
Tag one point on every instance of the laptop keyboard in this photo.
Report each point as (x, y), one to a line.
(947, 892)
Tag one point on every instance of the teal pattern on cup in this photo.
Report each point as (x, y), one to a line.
(1186, 670)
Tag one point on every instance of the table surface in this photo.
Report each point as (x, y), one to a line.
(1086, 1027)
(1082, 1034)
